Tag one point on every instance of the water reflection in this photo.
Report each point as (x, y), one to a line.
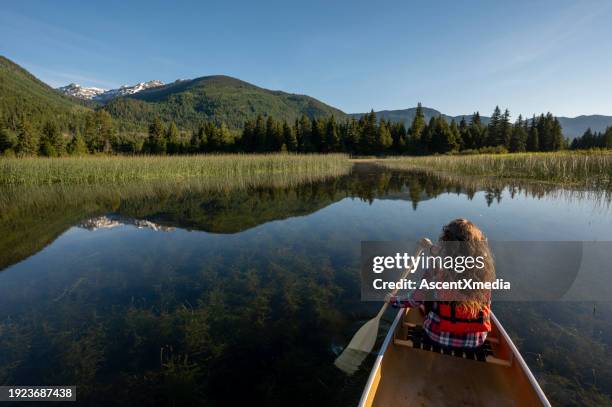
(110, 221)
(249, 294)
(31, 218)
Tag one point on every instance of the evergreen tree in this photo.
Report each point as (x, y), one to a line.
(545, 133)
(197, 143)
(156, 142)
(518, 141)
(455, 136)
(369, 133)
(427, 144)
(398, 133)
(442, 139)
(505, 130)
(27, 141)
(558, 141)
(575, 143)
(271, 136)
(332, 138)
(91, 134)
(589, 139)
(173, 145)
(550, 134)
(107, 129)
(77, 146)
(289, 137)
(533, 138)
(476, 132)
(383, 137)
(51, 141)
(303, 134)
(6, 140)
(416, 129)
(259, 134)
(494, 128)
(277, 138)
(213, 137)
(224, 137)
(352, 140)
(464, 135)
(100, 133)
(247, 141)
(317, 135)
(607, 138)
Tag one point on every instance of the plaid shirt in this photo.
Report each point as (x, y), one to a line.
(431, 325)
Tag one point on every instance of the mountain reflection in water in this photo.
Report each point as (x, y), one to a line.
(109, 222)
(250, 293)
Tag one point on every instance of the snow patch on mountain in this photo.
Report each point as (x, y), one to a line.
(128, 90)
(103, 95)
(81, 92)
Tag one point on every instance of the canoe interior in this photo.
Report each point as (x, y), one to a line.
(414, 377)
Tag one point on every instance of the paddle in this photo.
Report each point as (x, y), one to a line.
(364, 339)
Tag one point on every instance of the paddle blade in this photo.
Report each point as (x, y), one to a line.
(359, 347)
(365, 338)
(350, 360)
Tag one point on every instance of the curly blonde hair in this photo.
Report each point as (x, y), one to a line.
(474, 244)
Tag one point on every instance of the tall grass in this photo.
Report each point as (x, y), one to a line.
(592, 169)
(234, 169)
(40, 198)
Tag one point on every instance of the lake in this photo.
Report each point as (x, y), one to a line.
(186, 296)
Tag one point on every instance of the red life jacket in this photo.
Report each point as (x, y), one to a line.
(457, 319)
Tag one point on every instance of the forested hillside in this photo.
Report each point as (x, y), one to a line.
(220, 113)
(24, 96)
(220, 99)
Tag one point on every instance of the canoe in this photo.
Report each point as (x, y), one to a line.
(410, 373)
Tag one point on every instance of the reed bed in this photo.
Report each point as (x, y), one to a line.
(588, 168)
(222, 170)
(36, 207)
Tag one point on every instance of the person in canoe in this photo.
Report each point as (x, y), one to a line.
(456, 319)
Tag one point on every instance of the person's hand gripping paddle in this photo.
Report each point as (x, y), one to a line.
(364, 339)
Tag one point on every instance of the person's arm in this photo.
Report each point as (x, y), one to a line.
(416, 298)
(398, 302)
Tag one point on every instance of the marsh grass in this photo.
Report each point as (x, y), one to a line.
(40, 198)
(587, 169)
(237, 170)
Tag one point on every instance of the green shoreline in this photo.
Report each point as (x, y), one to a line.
(591, 169)
(222, 169)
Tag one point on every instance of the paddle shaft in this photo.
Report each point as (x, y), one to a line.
(393, 292)
(364, 339)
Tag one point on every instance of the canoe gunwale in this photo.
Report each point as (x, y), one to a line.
(374, 378)
(381, 353)
(518, 358)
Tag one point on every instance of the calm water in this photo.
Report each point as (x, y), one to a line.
(248, 296)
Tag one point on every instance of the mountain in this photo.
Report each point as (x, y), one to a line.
(186, 102)
(128, 90)
(23, 95)
(407, 115)
(572, 126)
(576, 126)
(102, 95)
(218, 98)
(80, 92)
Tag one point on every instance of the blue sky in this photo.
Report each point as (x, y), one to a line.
(457, 57)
